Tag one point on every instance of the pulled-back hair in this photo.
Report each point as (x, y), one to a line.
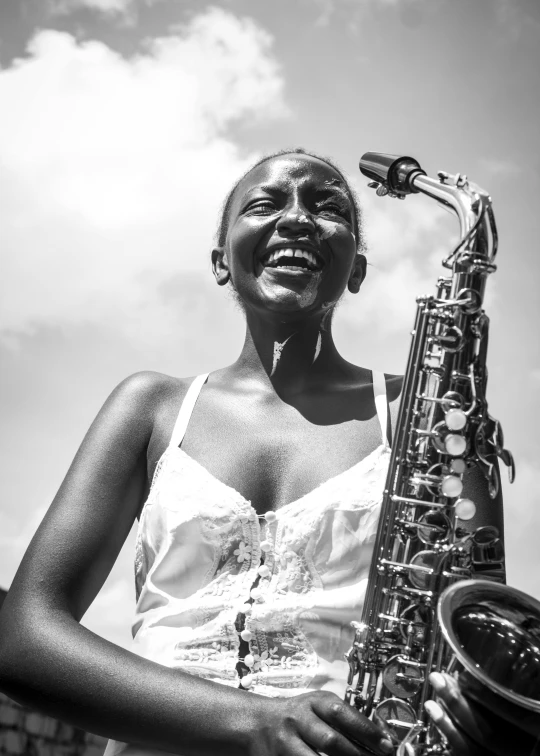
(223, 226)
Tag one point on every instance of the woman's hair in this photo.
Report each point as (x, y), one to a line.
(223, 225)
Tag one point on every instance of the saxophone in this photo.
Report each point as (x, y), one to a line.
(423, 610)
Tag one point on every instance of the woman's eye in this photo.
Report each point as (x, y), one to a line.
(263, 206)
(334, 210)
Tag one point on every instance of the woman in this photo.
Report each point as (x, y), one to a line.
(255, 540)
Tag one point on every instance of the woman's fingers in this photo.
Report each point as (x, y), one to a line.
(459, 708)
(299, 748)
(326, 740)
(385, 727)
(491, 733)
(345, 719)
(459, 744)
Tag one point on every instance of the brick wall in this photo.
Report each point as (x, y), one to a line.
(24, 732)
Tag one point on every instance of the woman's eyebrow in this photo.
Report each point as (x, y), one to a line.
(263, 188)
(327, 192)
(330, 191)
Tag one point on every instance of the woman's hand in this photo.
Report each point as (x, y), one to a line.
(472, 730)
(317, 723)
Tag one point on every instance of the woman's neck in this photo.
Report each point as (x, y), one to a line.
(293, 356)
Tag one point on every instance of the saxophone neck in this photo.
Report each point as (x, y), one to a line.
(398, 176)
(471, 204)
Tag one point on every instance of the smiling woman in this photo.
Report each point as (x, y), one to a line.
(256, 531)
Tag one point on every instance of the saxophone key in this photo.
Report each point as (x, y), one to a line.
(402, 678)
(455, 444)
(417, 619)
(451, 486)
(465, 509)
(433, 527)
(422, 568)
(458, 465)
(397, 713)
(451, 340)
(455, 419)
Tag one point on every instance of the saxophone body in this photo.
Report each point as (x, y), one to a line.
(423, 610)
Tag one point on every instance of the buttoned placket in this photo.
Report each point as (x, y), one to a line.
(246, 659)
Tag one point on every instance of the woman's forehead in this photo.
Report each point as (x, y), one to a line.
(289, 169)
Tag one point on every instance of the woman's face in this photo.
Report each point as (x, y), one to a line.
(290, 246)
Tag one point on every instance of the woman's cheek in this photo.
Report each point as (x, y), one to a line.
(326, 228)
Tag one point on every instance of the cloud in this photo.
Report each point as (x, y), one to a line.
(107, 7)
(518, 16)
(112, 171)
(500, 166)
(328, 8)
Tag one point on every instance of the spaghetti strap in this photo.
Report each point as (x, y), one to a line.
(186, 409)
(381, 404)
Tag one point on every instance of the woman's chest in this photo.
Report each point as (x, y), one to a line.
(274, 457)
(206, 531)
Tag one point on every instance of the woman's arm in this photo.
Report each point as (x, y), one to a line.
(47, 659)
(50, 662)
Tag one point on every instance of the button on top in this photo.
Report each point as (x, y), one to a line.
(270, 517)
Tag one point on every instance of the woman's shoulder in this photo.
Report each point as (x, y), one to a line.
(149, 385)
(148, 394)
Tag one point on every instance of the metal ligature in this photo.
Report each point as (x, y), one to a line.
(423, 612)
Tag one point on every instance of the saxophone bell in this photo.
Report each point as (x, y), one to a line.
(493, 631)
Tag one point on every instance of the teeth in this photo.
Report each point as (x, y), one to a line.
(290, 252)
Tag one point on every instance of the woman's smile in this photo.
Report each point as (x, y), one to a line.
(293, 258)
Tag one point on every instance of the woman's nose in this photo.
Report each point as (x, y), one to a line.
(296, 220)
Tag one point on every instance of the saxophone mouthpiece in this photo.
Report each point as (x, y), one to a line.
(395, 173)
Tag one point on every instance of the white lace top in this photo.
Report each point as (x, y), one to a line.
(198, 567)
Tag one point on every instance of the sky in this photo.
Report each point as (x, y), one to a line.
(123, 124)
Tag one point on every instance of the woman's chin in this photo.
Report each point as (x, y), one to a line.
(290, 289)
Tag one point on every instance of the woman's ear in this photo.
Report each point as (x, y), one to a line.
(220, 266)
(358, 273)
